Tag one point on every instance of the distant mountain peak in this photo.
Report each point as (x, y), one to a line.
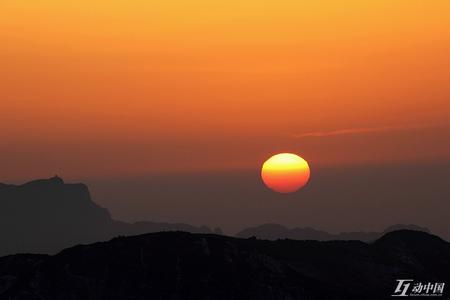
(55, 180)
(47, 215)
(397, 227)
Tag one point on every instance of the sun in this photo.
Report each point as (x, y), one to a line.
(285, 173)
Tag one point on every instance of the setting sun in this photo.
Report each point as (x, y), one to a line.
(285, 173)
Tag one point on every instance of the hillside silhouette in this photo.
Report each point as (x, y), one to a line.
(273, 231)
(178, 265)
(48, 215)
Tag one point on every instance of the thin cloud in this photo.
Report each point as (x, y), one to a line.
(362, 130)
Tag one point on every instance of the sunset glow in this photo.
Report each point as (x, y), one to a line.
(144, 87)
(285, 173)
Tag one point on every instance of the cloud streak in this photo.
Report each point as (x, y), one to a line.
(361, 130)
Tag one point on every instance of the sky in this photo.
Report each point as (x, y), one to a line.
(96, 90)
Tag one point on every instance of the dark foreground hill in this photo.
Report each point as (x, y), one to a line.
(178, 265)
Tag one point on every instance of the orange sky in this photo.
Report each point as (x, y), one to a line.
(100, 88)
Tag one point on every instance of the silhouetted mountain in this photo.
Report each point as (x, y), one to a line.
(177, 265)
(397, 227)
(47, 215)
(276, 231)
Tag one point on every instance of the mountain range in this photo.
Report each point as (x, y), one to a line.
(276, 231)
(48, 215)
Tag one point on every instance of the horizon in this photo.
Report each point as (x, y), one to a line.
(150, 198)
(61, 180)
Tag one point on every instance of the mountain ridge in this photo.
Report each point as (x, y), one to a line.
(47, 215)
(274, 231)
(180, 265)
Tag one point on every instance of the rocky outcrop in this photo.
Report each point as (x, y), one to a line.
(48, 215)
